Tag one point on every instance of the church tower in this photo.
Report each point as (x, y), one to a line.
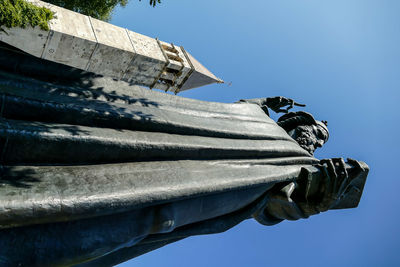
(93, 45)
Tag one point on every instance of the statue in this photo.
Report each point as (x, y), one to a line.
(95, 171)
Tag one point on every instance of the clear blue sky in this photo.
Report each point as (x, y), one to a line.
(342, 59)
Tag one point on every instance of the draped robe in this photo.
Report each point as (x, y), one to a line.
(97, 173)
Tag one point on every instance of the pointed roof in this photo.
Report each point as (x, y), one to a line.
(95, 46)
(200, 75)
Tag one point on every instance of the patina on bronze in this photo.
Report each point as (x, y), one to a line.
(95, 171)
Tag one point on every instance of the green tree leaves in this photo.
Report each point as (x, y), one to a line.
(19, 13)
(99, 9)
(154, 2)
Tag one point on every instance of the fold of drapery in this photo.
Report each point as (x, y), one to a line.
(31, 100)
(71, 152)
(44, 194)
(44, 143)
(108, 164)
(74, 242)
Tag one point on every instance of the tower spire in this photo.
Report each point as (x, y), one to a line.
(96, 46)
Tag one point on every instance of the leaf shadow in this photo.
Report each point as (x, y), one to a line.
(16, 177)
(79, 92)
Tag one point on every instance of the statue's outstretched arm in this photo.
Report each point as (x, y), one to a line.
(332, 184)
(278, 104)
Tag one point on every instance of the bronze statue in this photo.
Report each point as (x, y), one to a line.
(95, 171)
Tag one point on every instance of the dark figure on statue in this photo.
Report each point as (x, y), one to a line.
(95, 171)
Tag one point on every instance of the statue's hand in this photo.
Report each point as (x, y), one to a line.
(336, 181)
(278, 104)
(335, 186)
(327, 190)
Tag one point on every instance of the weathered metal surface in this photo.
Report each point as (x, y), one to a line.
(96, 171)
(105, 171)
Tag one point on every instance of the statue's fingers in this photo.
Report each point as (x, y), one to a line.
(291, 102)
(332, 174)
(298, 104)
(283, 101)
(356, 164)
(335, 164)
(330, 167)
(281, 110)
(344, 177)
(327, 189)
(340, 168)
